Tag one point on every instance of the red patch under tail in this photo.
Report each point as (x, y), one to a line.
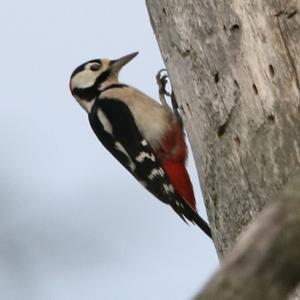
(180, 179)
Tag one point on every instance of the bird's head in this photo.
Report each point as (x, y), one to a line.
(88, 79)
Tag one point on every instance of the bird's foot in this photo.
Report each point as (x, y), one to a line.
(162, 81)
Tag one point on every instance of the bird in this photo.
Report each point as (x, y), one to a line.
(143, 135)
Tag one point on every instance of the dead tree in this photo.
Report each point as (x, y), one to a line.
(235, 70)
(263, 266)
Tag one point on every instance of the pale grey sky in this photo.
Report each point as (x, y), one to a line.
(73, 223)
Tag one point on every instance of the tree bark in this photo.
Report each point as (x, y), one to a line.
(235, 70)
(259, 266)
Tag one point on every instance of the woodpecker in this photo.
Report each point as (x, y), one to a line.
(143, 135)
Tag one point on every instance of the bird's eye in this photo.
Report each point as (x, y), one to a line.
(95, 67)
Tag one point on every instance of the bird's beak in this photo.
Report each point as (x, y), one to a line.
(117, 64)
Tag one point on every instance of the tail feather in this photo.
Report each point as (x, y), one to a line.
(173, 154)
(188, 213)
(180, 179)
(201, 224)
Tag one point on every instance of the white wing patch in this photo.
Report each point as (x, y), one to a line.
(169, 189)
(104, 121)
(141, 157)
(144, 142)
(156, 172)
(179, 204)
(119, 147)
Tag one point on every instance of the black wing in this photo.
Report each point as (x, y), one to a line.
(114, 125)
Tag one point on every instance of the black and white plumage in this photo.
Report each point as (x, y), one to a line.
(133, 127)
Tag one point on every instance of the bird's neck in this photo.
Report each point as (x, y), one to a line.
(111, 80)
(88, 104)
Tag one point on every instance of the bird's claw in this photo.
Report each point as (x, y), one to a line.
(162, 81)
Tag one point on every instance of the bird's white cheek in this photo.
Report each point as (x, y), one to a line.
(83, 80)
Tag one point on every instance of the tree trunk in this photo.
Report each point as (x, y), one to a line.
(235, 70)
(263, 266)
(234, 67)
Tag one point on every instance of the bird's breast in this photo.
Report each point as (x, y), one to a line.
(152, 119)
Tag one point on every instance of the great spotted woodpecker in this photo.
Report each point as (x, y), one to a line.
(144, 136)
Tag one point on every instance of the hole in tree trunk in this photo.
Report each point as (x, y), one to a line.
(271, 70)
(292, 13)
(237, 139)
(222, 129)
(236, 83)
(235, 27)
(188, 106)
(216, 77)
(255, 89)
(182, 109)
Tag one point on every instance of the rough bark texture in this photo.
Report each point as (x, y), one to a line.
(235, 69)
(263, 266)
